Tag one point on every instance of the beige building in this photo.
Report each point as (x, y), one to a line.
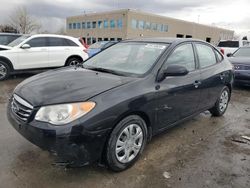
(126, 24)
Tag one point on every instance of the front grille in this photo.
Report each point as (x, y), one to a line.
(241, 67)
(21, 108)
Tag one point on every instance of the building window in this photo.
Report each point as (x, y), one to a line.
(189, 36)
(141, 24)
(154, 26)
(147, 25)
(106, 39)
(112, 23)
(159, 27)
(105, 23)
(164, 28)
(99, 39)
(70, 25)
(179, 36)
(93, 25)
(93, 40)
(78, 25)
(134, 24)
(88, 25)
(119, 39)
(100, 24)
(74, 25)
(119, 23)
(112, 39)
(83, 25)
(208, 39)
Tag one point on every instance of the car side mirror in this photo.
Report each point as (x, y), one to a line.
(25, 46)
(173, 70)
(229, 55)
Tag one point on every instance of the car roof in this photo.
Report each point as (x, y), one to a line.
(164, 40)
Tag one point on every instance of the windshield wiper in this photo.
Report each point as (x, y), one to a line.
(99, 69)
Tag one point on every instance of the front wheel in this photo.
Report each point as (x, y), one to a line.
(4, 70)
(221, 104)
(126, 143)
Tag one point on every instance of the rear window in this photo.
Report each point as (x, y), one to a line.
(229, 44)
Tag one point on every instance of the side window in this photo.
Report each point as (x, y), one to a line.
(220, 57)
(37, 42)
(182, 55)
(206, 55)
(53, 41)
(68, 42)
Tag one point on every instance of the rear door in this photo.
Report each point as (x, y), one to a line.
(178, 97)
(212, 74)
(59, 50)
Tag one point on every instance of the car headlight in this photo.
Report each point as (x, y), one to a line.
(63, 113)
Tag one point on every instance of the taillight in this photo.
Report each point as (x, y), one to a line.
(222, 51)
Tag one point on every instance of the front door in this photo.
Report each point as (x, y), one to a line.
(178, 97)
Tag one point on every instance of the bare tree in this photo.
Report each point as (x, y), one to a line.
(23, 22)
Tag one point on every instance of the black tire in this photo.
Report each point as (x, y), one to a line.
(73, 61)
(217, 110)
(111, 156)
(4, 70)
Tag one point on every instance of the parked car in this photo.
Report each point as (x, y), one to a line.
(241, 62)
(6, 38)
(110, 107)
(230, 46)
(39, 52)
(99, 46)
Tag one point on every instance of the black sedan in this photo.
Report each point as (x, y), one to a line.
(106, 110)
(241, 62)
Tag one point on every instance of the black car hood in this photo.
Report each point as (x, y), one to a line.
(67, 85)
(239, 60)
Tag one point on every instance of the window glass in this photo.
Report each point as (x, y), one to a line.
(119, 23)
(53, 41)
(220, 57)
(38, 42)
(93, 24)
(83, 25)
(147, 25)
(159, 27)
(242, 52)
(164, 28)
(141, 24)
(74, 25)
(154, 26)
(100, 24)
(70, 25)
(88, 25)
(206, 55)
(128, 58)
(112, 23)
(78, 25)
(229, 44)
(182, 55)
(133, 24)
(105, 24)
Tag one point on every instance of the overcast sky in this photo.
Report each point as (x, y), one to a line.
(52, 13)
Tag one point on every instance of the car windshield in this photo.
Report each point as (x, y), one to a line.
(229, 44)
(18, 41)
(242, 52)
(97, 45)
(128, 58)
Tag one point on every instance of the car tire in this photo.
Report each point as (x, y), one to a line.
(126, 143)
(221, 104)
(4, 70)
(73, 61)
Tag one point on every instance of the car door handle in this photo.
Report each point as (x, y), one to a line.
(197, 83)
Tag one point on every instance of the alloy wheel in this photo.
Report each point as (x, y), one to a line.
(129, 143)
(223, 100)
(3, 71)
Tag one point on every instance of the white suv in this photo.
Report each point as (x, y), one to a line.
(40, 51)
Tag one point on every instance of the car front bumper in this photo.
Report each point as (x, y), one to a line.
(72, 145)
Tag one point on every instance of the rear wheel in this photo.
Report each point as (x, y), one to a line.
(4, 70)
(221, 104)
(73, 61)
(126, 143)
